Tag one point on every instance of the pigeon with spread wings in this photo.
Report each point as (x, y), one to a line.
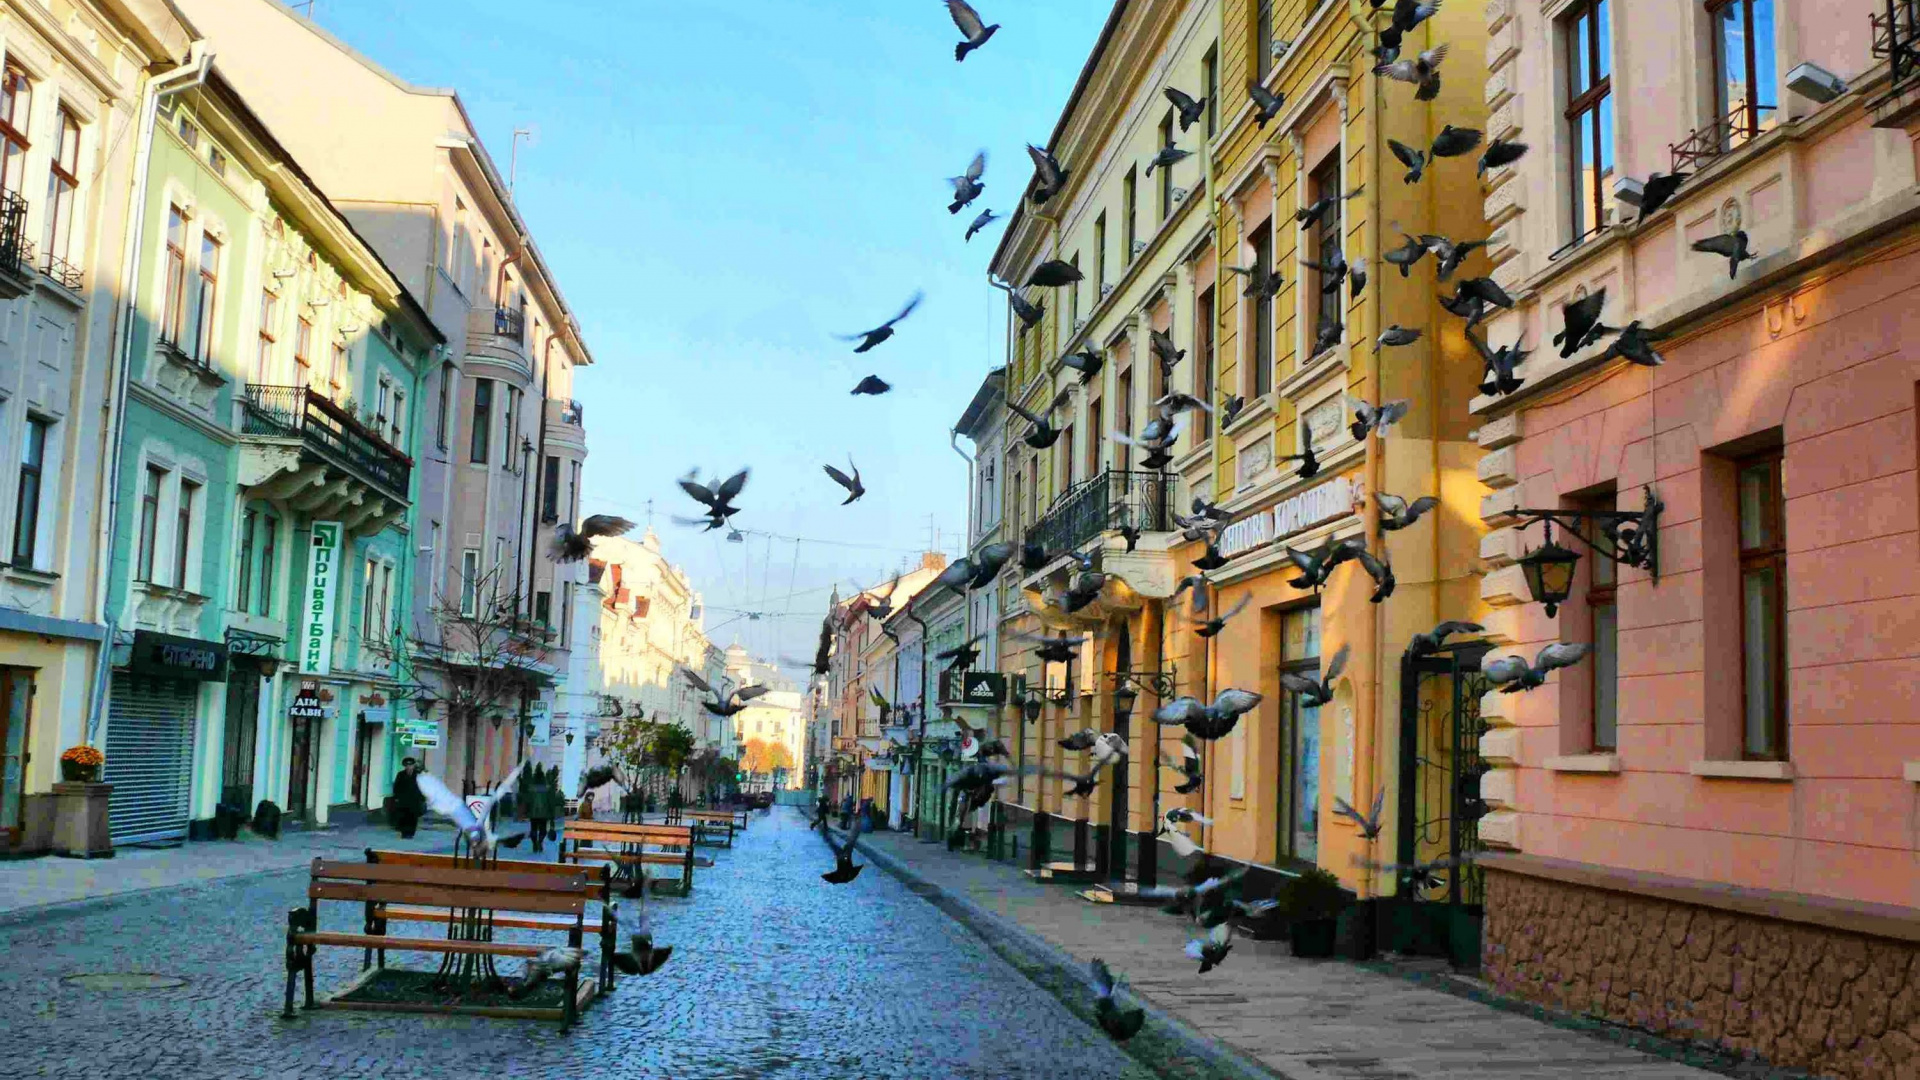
(1207, 722)
(1314, 691)
(870, 338)
(572, 545)
(852, 484)
(1121, 1024)
(844, 868)
(475, 827)
(1512, 674)
(973, 30)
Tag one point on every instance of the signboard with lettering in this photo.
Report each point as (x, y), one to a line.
(541, 723)
(1330, 500)
(421, 734)
(316, 605)
(173, 657)
(306, 706)
(986, 688)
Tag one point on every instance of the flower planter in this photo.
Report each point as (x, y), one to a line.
(1314, 938)
(74, 773)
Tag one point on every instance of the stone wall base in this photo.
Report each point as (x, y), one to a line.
(1790, 994)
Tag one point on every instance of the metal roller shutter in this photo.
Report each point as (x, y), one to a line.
(149, 758)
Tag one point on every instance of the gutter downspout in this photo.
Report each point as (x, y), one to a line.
(926, 646)
(953, 441)
(167, 83)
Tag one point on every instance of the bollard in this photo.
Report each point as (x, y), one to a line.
(1038, 846)
(1102, 855)
(1079, 843)
(1147, 856)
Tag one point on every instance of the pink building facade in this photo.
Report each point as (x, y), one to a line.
(1708, 828)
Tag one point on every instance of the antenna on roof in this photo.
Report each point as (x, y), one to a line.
(308, 4)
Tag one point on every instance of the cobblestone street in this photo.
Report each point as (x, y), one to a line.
(774, 974)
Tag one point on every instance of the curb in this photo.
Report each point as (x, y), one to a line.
(60, 910)
(1167, 1045)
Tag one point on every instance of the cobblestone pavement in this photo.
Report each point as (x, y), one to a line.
(30, 883)
(774, 974)
(1304, 1019)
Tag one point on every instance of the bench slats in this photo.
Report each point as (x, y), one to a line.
(652, 858)
(545, 882)
(406, 892)
(598, 879)
(409, 913)
(433, 945)
(633, 834)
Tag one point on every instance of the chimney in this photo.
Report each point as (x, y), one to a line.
(933, 560)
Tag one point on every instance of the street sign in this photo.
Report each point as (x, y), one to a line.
(306, 706)
(477, 804)
(541, 723)
(316, 607)
(422, 734)
(986, 688)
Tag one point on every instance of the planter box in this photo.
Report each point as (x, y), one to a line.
(1315, 939)
(80, 821)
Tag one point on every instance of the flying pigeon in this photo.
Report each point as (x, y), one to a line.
(476, 827)
(1230, 409)
(884, 331)
(1180, 815)
(1316, 566)
(823, 652)
(1316, 691)
(1367, 418)
(1208, 722)
(967, 186)
(986, 218)
(717, 498)
(1042, 434)
(1033, 556)
(962, 656)
(1449, 253)
(571, 545)
(1058, 650)
(1635, 343)
(1080, 740)
(1327, 338)
(1087, 362)
(1581, 318)
(1397, 513)
(1406, 255)
(1423, 72)
(1187, 765)
(1163, 350)
(844, 868)
(554, 961)
(1433, 640)
(1484, 289)
(971, 28)
(1051, 175)
(1169, 156)
(736, 701)
(1310, 216)
(1182, 844)
(642, 956)
(1333, 271)
(1500, 152)
(1357, 276)
(1053, 273)
(1656, 191)
(854, 487)
(987, 563)
(1733, 245)
(1309, 466)
(1512, 674)
(1029, 312)
(1398, 335)
(1211, 559)
(1212, 950)
(1261, 284)
(1453, 141)
(872, 384)
(1499, 377)
(1266, 103)
(1414, 160)
(1379, 569)
(1190, 109)
(1370, 823)
(1207, 628)
(1121, 1024)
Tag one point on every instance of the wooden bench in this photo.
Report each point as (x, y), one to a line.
(705, 824)
(380, 885)
(619, 842)
(599, 887)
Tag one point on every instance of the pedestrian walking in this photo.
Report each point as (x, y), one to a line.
(408, 802)
(543, 803)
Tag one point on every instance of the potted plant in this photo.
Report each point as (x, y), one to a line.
(1313, 903)
(81, 764)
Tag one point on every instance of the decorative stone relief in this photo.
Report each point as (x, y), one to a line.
(1504, 203)
(1730, 216)
(1499, 86)
(1503, 45)
(1505, 587)
(1497, 13)
(1505, 121)
(24, 593)
(1495, 434)
(1255, 459)
(1499, 469)
(1325, 420)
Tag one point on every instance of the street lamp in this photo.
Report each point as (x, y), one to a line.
(1627, 537)
(1549, 571)
(1124, 695)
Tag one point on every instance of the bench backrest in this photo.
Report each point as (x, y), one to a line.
(724, 816)
(599, 877)
(616, 832)
(498, 890)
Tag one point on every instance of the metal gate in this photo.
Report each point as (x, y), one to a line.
(1436, 909)
(149, 758)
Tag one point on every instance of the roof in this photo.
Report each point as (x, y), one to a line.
(994, 385)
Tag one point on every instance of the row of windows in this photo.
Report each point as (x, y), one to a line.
(63, 166)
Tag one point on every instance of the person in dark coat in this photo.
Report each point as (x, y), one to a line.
(408, 803)
(543, 803)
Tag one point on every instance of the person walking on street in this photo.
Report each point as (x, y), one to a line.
(408, 803)
(543, 803)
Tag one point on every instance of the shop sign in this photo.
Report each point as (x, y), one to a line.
(541, 723)
(1330, 500)
(985, 688)
(306, 706)
(316, 608)
(170, 657)
(381, 715)
(421, 734)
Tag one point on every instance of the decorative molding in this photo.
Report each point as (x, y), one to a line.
(1500, 468)
(1507, 120)
(1505, 587)
(1504, 203)
(1501, 746)
(1742, 770)
(1498, 508)
(1499, 788)
(1913, 771)
(1503, 45)
(1497, 13)
(1499, 87)
(1494, 434)
(1585, 763)
(1502, 547)
(1501, 829)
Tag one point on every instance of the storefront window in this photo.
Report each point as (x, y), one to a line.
(1300, 770)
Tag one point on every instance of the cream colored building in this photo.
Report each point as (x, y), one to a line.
(651, 633)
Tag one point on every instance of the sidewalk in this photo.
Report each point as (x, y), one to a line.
(35, 883)
(1300, 1019)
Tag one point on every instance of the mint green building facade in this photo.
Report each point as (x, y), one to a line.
(275, 376)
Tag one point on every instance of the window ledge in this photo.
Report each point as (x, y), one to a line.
(1584, 763)
(1743, 770)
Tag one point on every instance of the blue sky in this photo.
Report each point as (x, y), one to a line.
(721, 187)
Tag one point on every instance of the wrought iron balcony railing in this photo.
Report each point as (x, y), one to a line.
(14, 249)
(329, 431)
(1101, 504)
(573, 413)
(1896, 38)
(1741, 125)
(511, 323)
(61, 271)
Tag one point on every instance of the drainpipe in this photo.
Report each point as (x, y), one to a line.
(926, 646)
(953, 440)
(166, 84)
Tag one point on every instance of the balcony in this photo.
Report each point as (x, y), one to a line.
(61, 272)
(16, 267)
(1896, 39)
(312, 455)
(565, 429)
(1100, 505)
(500, 335)
(1743, 123)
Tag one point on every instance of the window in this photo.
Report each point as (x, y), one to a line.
(1300, 771)
(183, 532)
(303, 351)
(550, 490)
(1210, 83)
(1203, 360)
(368, 616)
(470, 582)
(149, 522)
(1329, 233)
(1073, 297)
(383, 391)
(566, 612)
(444, 411)
(188, 133)
(1166, 171)
(1099, 258)
(1744, 71)
(263, 352)
(337, 370)
(26, 500)
(1262, 38)
(63, 179)
(1603, 630)
(1033, 487)
(1130, 192)
(1763, 594)
(1262, 312)
(1123, 419)
(16, 99)
(573, 495)
(394, 424)
(1063, 465)
(209, 295)
(508, 423)
(217, 161)
(243, 595)
(482, 420)
(173, 307)
(270, 533)
(1093, 437)
(1588, 34)
(543, 609)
